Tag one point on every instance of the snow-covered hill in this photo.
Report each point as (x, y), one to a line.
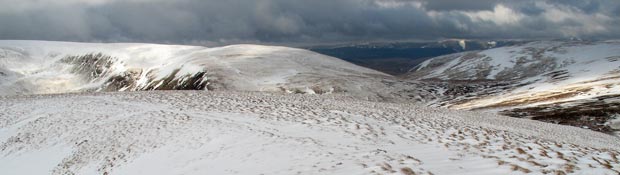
(550, 71)
(574, 61)
(198, 132)
(37, 67)
(576, 83)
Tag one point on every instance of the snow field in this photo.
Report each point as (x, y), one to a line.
(194, 132)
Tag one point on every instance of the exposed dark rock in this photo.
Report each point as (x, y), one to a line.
(127, 80)
(557, 75)
(198, 81)
(613, 59)
(91, 66)
(97, 65)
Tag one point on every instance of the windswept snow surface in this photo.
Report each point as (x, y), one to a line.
(41, 67)
(198, 132)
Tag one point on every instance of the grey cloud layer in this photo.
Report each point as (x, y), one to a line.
(231, 21)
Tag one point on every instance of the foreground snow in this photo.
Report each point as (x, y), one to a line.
(191, 132)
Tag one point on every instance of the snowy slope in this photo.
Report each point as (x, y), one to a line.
(524, 61)
(197, 132)
(544, 70)
(575, 83)
(37, 67)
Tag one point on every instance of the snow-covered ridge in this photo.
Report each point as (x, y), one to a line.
(196, 132)
(574, 82)
(573, 70)
(35, 67)
(576, 59)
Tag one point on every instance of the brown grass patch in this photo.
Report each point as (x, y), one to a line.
(407, 171)
(519, 168)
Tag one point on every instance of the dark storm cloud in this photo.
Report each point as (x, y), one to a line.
(591, 6)
(472, 5)
(299, 21)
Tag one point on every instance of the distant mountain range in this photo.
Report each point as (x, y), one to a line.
(397, 58)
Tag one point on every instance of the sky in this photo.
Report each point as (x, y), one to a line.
(209, 22)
